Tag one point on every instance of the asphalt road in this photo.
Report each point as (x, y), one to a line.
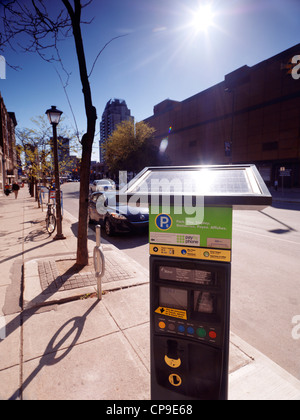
(266, 281)
(136, 246)
(265, 289)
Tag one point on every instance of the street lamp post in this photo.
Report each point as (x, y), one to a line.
(54, 118)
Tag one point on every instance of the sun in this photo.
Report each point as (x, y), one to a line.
(203, 18)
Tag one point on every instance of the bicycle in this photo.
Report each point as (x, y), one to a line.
(50, 218)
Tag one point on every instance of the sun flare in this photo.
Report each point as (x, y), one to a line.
(203, 18)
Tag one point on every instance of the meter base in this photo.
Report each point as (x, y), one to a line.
(189, 329)
(195, 371)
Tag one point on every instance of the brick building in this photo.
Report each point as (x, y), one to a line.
(8, 153)
(253, 116)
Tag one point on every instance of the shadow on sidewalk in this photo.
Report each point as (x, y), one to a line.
(39, 300)
(23, 252)
(35, 235)
(73, 326)
(279, 231)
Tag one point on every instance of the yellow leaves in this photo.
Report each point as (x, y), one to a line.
(127, 143)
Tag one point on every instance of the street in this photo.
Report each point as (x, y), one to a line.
(136, 246)
(265, 281)
(265, 295)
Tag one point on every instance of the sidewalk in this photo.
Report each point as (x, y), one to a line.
(54, 345)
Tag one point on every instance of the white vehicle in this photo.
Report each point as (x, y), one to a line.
(102, 185)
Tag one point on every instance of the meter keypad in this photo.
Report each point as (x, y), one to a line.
(208, 333)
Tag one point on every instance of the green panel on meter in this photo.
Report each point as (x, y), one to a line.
(209, 227)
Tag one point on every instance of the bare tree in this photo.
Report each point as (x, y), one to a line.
(34, 26)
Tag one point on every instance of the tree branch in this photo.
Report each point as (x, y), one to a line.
(94, 63)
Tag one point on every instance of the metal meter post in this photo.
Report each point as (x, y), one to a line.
(99, 262)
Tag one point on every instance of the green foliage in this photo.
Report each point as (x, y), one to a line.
(130, 147)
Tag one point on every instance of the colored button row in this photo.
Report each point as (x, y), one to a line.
(201, 332)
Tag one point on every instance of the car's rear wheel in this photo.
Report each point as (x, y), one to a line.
(108, 228)
(91, 221)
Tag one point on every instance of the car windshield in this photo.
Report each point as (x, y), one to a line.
(104, 182)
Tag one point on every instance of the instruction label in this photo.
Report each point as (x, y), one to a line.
(174, 313)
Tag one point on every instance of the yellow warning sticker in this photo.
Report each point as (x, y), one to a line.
(174, 313)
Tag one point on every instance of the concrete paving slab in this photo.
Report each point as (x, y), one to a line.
(10, 341)
(10, 299)
(11, 378)
(3, 290)
(105, 368)
(32, 295)
(30, 268)
(261, 382)
(129, 308)
(139, 338)
(260, 379)
(237, 356)
(55, 327)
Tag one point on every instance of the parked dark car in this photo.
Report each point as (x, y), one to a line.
(116, 218)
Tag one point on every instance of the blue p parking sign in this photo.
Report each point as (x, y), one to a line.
(163, 221)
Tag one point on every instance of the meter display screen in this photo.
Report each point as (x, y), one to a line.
(185, 275)
(173, 298)
(204, 302)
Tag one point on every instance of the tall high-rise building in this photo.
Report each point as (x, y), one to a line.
(115, 112)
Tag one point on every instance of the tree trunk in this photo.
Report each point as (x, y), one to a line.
(82, 246)
(87, 138)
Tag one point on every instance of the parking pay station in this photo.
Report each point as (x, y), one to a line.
(190, 240)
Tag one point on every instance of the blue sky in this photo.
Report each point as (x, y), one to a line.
(165, 54)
